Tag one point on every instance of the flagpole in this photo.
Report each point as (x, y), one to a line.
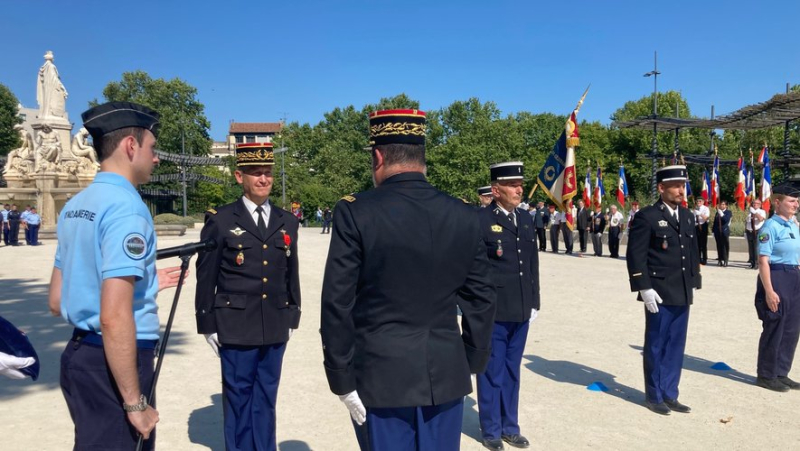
(530, 195)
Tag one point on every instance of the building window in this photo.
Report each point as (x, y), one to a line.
(239, 140)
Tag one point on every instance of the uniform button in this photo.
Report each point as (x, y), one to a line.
(520, 262)
(265, 246)
(265, 263)
(264, 280)
(681, 246)
(520, 274)
(683, 258)
(287, 302)
(517, 239)
(263, 296)
(240, 246)
(228, 303)
(683, 269)
(519, 250)
(654, 273)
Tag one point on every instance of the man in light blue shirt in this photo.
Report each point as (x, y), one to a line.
(23, 218)
(104, 283)
(32, 223)
(4, 212)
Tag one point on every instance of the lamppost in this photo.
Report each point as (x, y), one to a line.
(282, 151)
(183, 169)
(654, 145)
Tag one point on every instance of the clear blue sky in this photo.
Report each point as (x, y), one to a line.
(258, 61)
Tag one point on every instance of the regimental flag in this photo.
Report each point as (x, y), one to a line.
(622, 187)
(599, 189)
(587, 189)
(704, 187)
(715, 197)
(557, 177)
(764, 155)
(688, 193)
(766, 180)
(739, 194)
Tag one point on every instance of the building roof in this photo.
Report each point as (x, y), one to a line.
(255, 127)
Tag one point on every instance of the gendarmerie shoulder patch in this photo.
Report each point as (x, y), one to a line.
(349, 198)
(211, 211)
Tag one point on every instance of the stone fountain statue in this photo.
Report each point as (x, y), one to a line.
(50, 92)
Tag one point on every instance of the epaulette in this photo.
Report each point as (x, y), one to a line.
(212, 211)
(465, 201)
(349, 198)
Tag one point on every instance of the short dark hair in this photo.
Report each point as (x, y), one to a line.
(401, 154)
(111, 140)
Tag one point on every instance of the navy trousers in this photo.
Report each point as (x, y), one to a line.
(781, 329)
(94, 402)
(250, 377)
(34, 234)
(498, 386)
(664, 344)
(613, 241)
(434, 428)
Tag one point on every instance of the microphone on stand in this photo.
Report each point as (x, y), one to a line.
(187, 249)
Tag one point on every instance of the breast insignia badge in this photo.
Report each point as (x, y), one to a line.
(497, 229)
(237, 231)
(662, 223)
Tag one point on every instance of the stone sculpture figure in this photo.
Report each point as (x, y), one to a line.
(48, 153)
(85, 153)
(50, 92)
(21, 160)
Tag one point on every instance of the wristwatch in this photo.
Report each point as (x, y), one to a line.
(141, 406)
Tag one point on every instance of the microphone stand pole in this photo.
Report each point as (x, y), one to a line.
(163, 345)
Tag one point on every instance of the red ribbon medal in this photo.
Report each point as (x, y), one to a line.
(287, 240)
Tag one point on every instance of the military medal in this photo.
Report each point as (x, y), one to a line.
(664, 243)
(287, 240)
(240, 259)
(499, 248)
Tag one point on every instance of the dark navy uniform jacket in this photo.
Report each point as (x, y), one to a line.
(598, 222)
(403, 256)
(248, 290)
(514, 254)
(663, 256)
(722, 223)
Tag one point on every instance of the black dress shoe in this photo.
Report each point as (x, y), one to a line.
(494, 444)
(789, 383)
(659, 408)
(677, 406)
(772, 384)
(516, 440)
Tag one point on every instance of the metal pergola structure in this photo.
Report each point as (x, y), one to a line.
(781, 109)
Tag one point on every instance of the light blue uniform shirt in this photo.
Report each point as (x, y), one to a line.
(4, 212)
(24, 215)
(106, 231)
(33, 219)
(779, 239)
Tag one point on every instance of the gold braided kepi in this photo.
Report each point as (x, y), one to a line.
(254, 154)
(397, 127)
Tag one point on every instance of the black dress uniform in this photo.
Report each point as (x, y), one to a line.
(248, 293)
(13, 227)
(540, 220)
(663, 255)
(583, 221)
(511, 246)
(403, 257)
(598, 226)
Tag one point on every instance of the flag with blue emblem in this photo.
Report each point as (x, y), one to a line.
(622, 187)
(599, 189)
(766, 179)
(557, 177)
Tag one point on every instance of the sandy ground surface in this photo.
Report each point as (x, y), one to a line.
(590, 330)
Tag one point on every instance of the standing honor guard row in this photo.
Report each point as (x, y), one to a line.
(404, 258)
(664, 267)
(248, 298)
(509, 235)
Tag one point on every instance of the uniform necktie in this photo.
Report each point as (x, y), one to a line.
(513, 218)
(262, 226)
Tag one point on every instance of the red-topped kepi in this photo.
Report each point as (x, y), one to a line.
(397, 127)
(254, 154)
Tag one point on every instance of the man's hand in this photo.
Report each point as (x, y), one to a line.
(534, 315)
(213, 341)
(353, 403)
(10, 365)
(144, 421)
(651, 299)
(168, 277)
(772, 301)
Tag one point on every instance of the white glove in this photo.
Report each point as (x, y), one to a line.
(534, 315)
(213, 340)
(10, 364)
(290, 332)
(353, 403)
(651, 299)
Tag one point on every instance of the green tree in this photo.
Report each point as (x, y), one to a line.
(9, 117)
(182, 114)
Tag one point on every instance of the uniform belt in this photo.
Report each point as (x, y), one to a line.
(782, 267)
(93, 338)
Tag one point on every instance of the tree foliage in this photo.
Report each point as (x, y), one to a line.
(9, 117)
